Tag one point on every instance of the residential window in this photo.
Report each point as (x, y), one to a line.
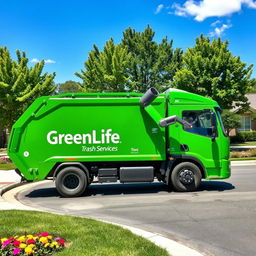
(245, 123)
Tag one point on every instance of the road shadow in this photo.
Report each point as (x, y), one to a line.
(129, 189)
(215, 186)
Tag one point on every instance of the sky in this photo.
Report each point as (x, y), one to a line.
(63, 32)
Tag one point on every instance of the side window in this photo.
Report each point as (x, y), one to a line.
(201, 121)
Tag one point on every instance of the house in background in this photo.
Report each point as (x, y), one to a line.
(248, 119)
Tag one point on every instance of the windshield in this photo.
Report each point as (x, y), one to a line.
(218, 111)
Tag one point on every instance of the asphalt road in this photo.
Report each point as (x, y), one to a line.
(220, 219)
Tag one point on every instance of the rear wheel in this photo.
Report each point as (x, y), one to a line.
(186, 177)
(71, 181)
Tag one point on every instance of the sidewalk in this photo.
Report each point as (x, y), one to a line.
(8, 178)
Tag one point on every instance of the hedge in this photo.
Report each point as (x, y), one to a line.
(244, 136)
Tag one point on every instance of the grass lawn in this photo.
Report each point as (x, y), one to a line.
(9, 166)
(248, 143)
(85, 236)
(241, 159)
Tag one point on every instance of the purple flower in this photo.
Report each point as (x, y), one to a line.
(16, 251)
(6, 242)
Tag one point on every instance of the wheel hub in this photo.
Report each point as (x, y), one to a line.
(186, 176)
(71, 181)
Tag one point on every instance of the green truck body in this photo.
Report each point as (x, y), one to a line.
(121, 136)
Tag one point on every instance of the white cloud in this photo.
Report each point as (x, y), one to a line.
(218, 31)
(211, 8)
(34, 60)
(159, 8)
(50, 61)
(214, 24)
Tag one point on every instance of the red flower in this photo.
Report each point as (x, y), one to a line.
(16, 243)
(45, 234)
(31, 241)
(61, 241)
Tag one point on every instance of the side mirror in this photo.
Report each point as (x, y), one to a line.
(172, 120)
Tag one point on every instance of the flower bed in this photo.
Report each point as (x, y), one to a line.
(40, 244)
(5, 160)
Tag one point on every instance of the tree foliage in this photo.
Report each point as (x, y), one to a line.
(106, 70)
(210, 69)
(152, 64)
(20, 85)
(68, 87)
(230, 120)
(136, 64)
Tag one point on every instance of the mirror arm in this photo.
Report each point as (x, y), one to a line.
(172, 120)
(185, 123)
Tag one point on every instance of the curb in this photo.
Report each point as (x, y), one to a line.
(8, 187)
(172, 247)
(244, 162)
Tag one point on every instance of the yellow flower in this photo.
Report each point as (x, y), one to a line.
(29, 250)
(43, 240)
(49, 237)
(4, 239)
(22, 239)
(35, 237)
(47, 244)
(22, 245)
(31, 245)
(29, 236)
(53, 244)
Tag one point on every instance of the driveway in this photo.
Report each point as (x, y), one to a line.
(220, 219)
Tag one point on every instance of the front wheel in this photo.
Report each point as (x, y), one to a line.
(186, 177)
(71, 181)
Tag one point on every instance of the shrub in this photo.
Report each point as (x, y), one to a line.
(248, 135)
(243, 137)
(253, 152)
(237, 138)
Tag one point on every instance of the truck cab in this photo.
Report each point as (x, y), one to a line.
(205, 143)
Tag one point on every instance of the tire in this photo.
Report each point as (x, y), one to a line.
(186, 177)
(71, 181)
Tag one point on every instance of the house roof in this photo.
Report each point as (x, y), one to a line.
(252, 99)
(252, 103)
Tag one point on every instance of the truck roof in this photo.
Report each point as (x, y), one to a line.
(174, 95)
(180, 97)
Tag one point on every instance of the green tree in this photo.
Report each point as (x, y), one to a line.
(136, 64)
(152, 64)
(20, 85)
(230, 120)
(106, 71)
(68, 87)
(210, 69)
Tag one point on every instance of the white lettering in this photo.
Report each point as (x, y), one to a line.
(94, 138)
(106, 137)
(115, 138)
(77, 138)
(54, 140)
(68, 139)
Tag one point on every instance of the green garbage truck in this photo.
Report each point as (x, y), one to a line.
(75, 139)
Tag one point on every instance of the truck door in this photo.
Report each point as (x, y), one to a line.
(202, 140)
